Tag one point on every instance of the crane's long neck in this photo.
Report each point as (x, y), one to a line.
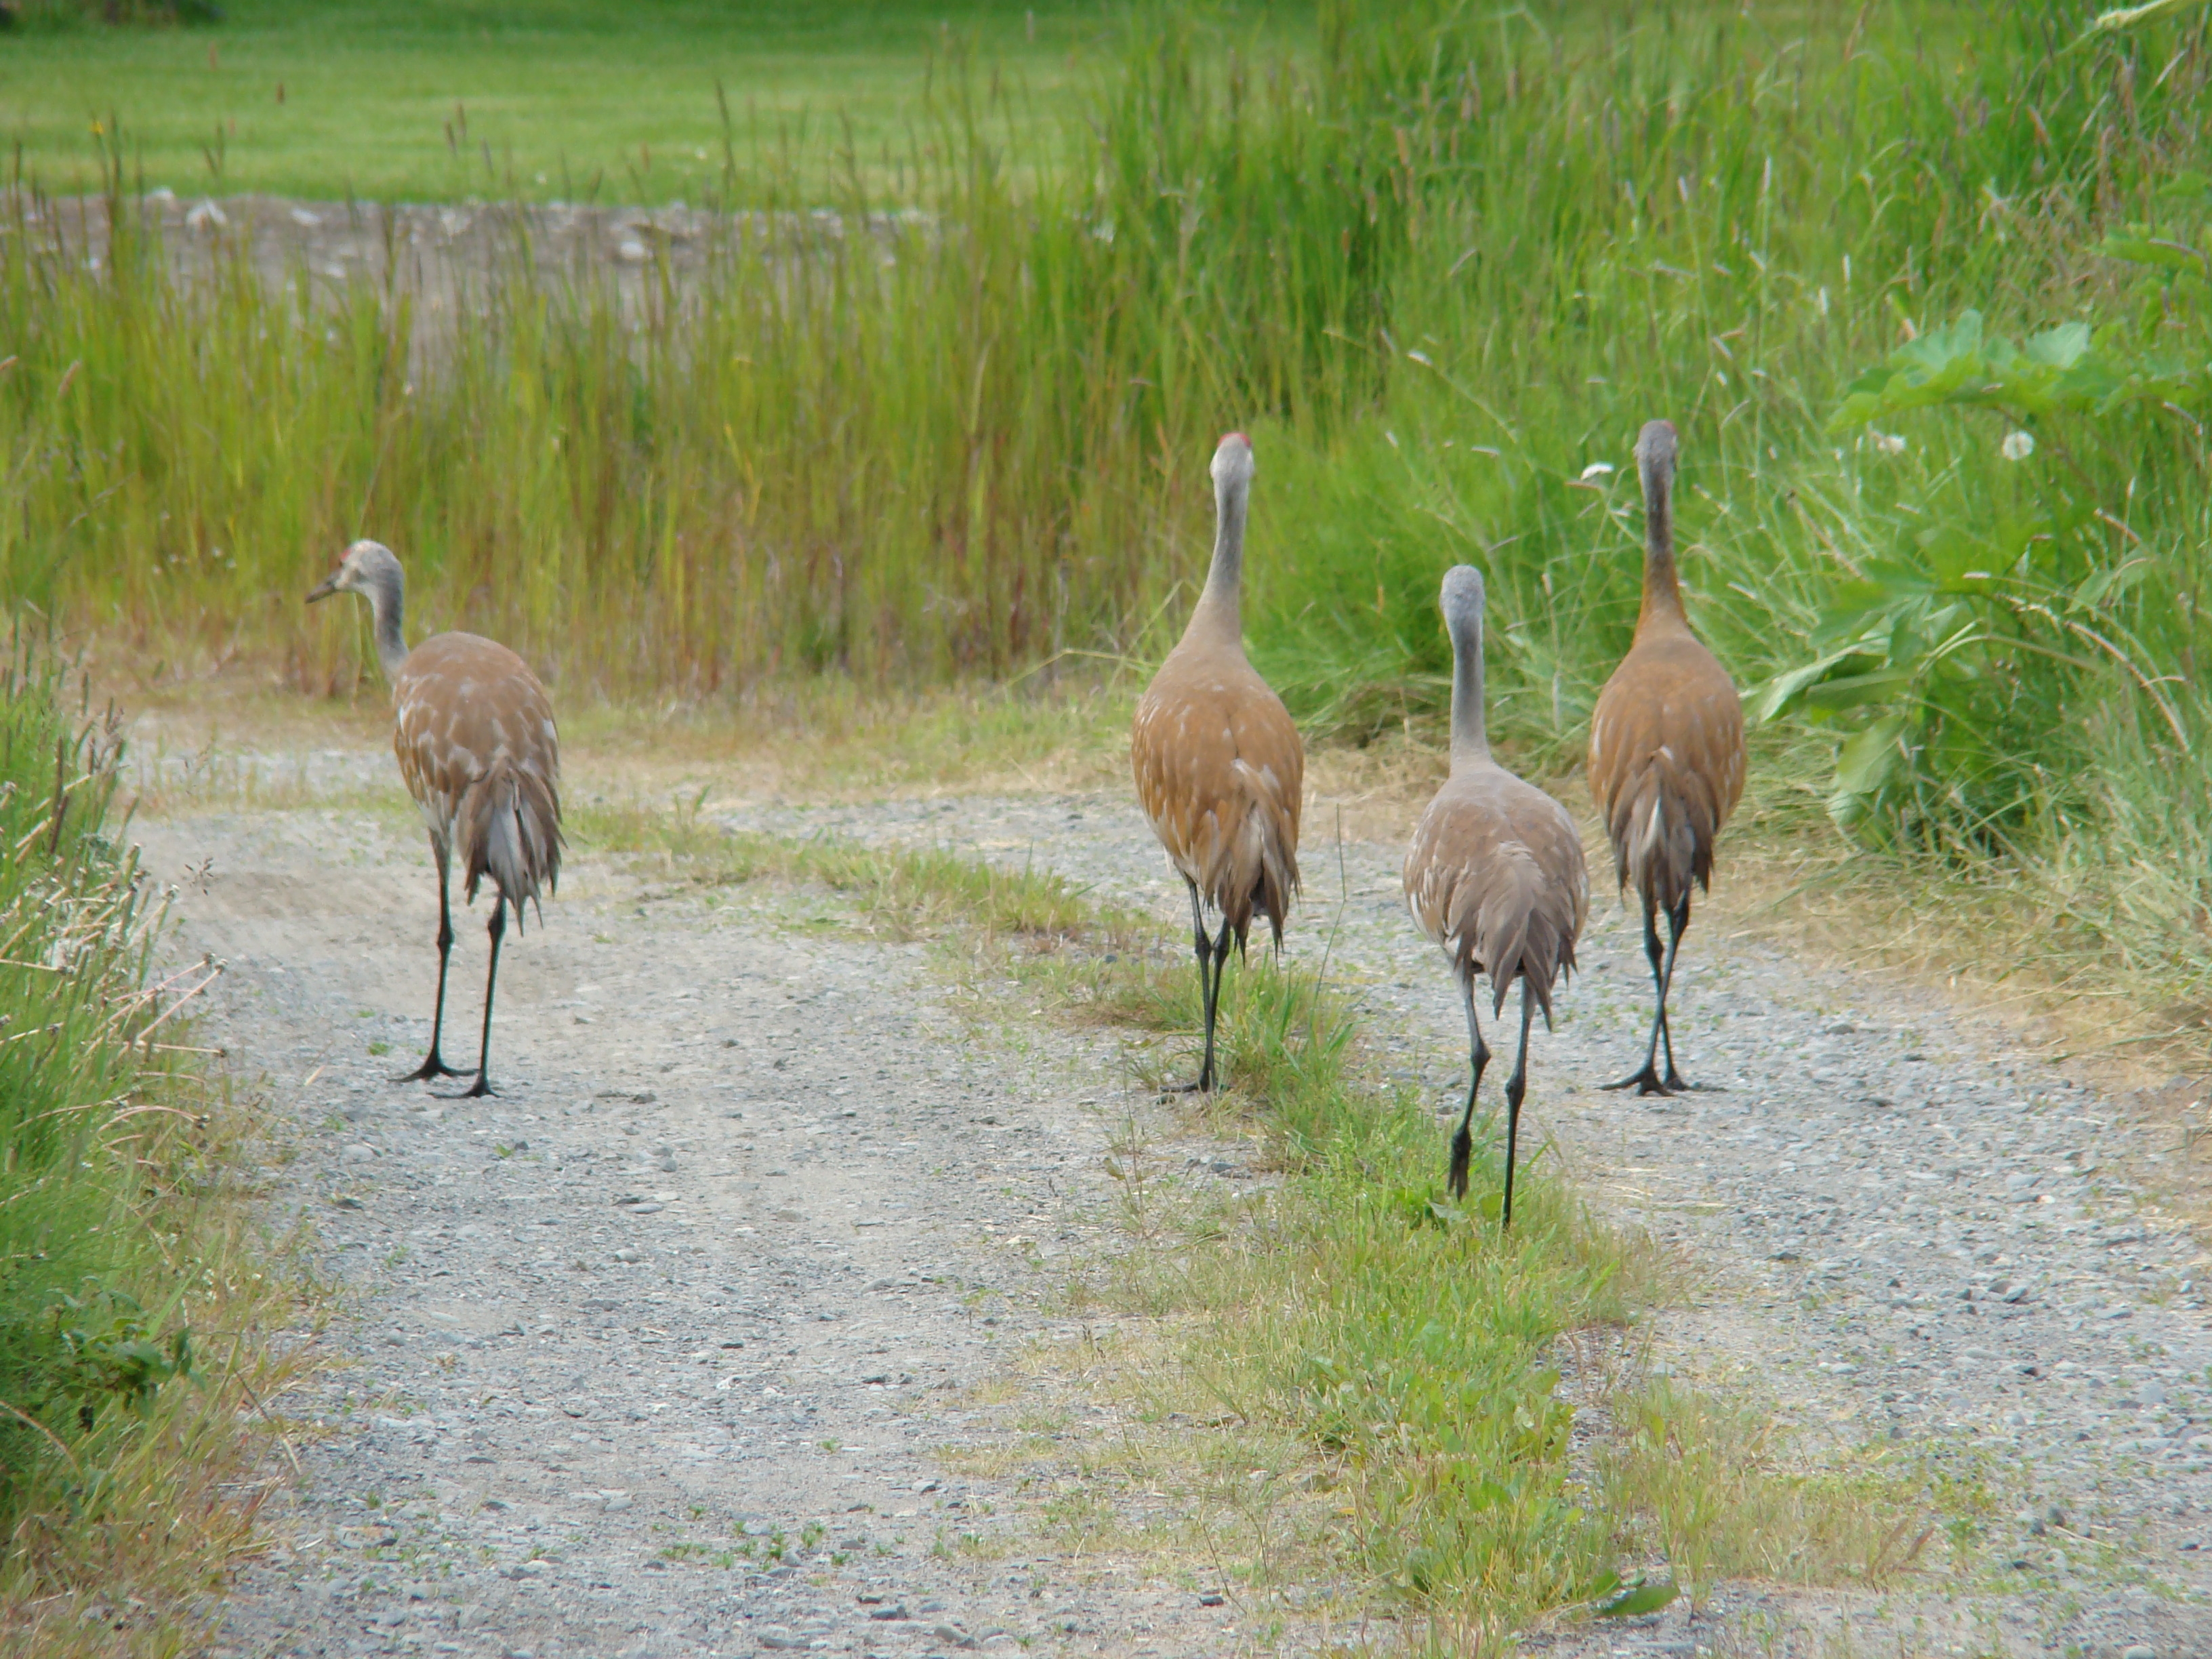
(1663, 592)
(387, 604)
(1470, 734)
(1219, 607)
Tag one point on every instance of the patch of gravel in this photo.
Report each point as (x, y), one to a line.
(1902, 1233)
(758, 1209)
(660, 1353)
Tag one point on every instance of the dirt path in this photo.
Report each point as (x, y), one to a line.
(1903, 1231)
(565, 1411)
(563, 1421)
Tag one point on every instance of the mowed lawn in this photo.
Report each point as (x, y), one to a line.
(543, 99)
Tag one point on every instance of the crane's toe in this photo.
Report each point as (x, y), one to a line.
(1647, 1082)
(432, 1067)
(1462, 1153)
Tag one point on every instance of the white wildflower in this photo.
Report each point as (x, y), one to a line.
(1887, 443)
(1597, 469)
(2018, 445)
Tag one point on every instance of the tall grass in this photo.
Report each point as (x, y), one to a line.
(1444, 265)
(129, 1284)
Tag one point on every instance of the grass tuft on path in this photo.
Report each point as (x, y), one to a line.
(135, 1293)
(903, 893)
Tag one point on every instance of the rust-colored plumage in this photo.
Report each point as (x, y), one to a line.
(1496, 876)
(473, 730)
(1220, 772)
(1667, 756)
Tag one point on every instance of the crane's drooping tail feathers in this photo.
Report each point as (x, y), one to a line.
(509, 826)
(1662, 834)
(1518, 931)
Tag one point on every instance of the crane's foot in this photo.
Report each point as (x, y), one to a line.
(432, 1067)
(1462, 1153)
(1647, 1082)
(476, 1091)
(1209, 1079)
(1676, 1086)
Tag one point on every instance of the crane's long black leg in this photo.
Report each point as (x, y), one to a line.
(1206, 1079)
(497, 928)
(1477, 1057)
(434, 1064)
(1207, 988)
(1646, 1082)
(1678, 923)
(1516, 1086)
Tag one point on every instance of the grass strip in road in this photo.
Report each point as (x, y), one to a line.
(1451, 1424)
(1335, 1376)
(134, 1288)
(904, 894)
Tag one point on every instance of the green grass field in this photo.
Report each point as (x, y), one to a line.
(565, 99)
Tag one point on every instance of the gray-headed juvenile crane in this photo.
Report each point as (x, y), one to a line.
(1666, 756)
(473, 729)
(1496, 876)
(1220, 771)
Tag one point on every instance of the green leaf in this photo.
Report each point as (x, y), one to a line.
(1871, 757)
(1856, 690)
(1777, 694)
(2059, 348)
(2102, 584)
(1645, 1598)
(2138, 248)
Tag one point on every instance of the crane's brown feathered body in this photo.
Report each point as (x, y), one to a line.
(1666, 755)
(1221, 775)
(1219, 770)
(474, 732)
(1666, 759)
(1495, 877)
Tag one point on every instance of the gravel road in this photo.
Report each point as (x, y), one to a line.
(659, 1351)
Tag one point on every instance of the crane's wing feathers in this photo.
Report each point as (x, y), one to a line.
(1496, 876)
(1220, 773)
(1666, 764)
(478, 750)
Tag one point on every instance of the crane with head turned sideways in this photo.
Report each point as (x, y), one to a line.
(1220, 772)
(1496, 876)
(1666, 754)
(473, 729)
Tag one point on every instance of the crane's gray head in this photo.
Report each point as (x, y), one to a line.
(1463, 599)
(368, 567)
(1232, 462)
(1655, 450)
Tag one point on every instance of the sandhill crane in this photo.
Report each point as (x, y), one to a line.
(1220, 772)
(1666, 756)
(1496, 876)
(473, 729)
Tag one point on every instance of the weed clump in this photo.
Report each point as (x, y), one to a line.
(128, 1282)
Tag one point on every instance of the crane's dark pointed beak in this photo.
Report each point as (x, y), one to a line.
(328, 587)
